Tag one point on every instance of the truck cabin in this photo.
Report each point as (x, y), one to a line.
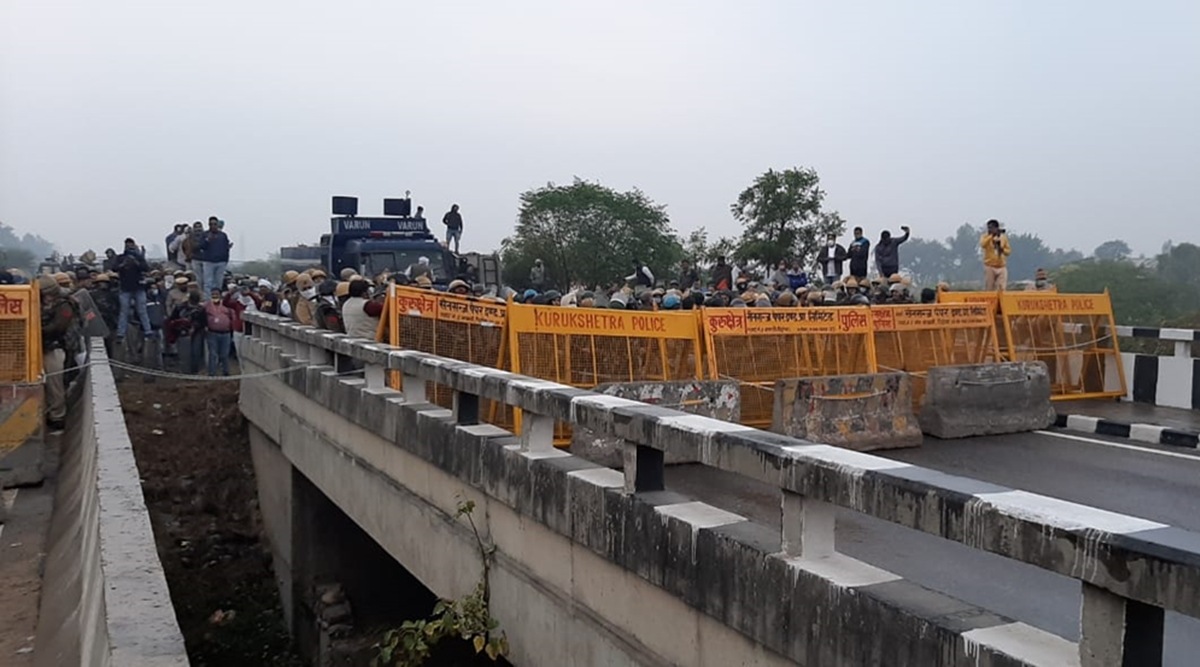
(372, 246)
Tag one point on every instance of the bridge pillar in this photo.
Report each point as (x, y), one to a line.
(537, 433)
(375, 375)
(318, 356)
(1183, 349)
(807, 526)
(413, 389)
(1118, 632)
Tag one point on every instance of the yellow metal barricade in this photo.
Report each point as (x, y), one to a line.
(464, 328)
(585, 347)
(20, 334)
(21, 367)
(914, 338)
(1072, 334)
(758, 346)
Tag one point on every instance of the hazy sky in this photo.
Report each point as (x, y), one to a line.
(1077, 120)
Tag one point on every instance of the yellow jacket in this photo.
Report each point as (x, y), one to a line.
(991, 255)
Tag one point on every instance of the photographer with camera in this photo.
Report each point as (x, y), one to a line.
(131, 268)
(996, 250)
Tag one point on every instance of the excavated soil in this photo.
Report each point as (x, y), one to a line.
(193, 453)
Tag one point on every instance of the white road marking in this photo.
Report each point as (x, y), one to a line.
(1118, 445)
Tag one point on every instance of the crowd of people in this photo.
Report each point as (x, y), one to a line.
(843, 276)
(194, 307)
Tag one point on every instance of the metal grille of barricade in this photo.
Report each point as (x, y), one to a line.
(451, 326)
(584, 347)
(914, 338)
(14, 354)
(20, 334)
(759, 346)
(1071, 334)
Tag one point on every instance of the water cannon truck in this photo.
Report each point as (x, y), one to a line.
(389, 243)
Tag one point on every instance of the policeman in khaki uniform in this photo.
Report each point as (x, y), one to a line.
(60, 319)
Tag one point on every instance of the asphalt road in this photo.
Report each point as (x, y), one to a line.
(1154, 483)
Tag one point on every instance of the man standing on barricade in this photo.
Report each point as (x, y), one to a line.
(859, 251)
(996, 250)
(214, 248)
(830, 260)
(887, 252)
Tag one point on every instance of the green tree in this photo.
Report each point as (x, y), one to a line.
(782, 218)
(929, 261)
(18, 258)
(1180, 264)
(1112, 251)
(1139, 296)
(585, 232)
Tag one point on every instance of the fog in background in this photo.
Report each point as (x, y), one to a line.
(1074, 120)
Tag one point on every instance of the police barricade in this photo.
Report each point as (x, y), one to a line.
(464, 328)
(584, 347)
(1072, 335)
(914, 338)
(759, 346)
(993, 298)
(21, 395)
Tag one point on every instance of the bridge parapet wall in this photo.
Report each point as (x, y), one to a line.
(105, 599)
(787, 590)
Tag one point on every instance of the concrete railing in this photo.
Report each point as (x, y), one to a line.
(1171, 381)
(1183, 339)
(104, 596)
(1131, 570)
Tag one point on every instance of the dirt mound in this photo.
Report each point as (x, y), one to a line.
(193, 454)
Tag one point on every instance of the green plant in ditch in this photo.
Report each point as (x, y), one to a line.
(468, 618)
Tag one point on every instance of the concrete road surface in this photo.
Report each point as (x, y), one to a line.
(1147, 482)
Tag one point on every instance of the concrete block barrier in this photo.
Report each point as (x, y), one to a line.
(861, 412)
(986, 399)
(719, 399)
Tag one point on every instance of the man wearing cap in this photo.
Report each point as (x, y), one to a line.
(178, 294)
(131, 270)
(305, 311)
(419, 269)
(59, 317)
(356, 316)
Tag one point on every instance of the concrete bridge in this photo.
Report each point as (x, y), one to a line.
(768, 551)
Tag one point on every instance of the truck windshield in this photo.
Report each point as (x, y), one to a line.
(397, 261)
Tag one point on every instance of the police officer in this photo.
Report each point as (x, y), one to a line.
(60, 320)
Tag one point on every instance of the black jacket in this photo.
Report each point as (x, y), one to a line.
(131, 271)
(836, 254)
(887, 254)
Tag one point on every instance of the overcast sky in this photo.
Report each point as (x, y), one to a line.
(1075, 120)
